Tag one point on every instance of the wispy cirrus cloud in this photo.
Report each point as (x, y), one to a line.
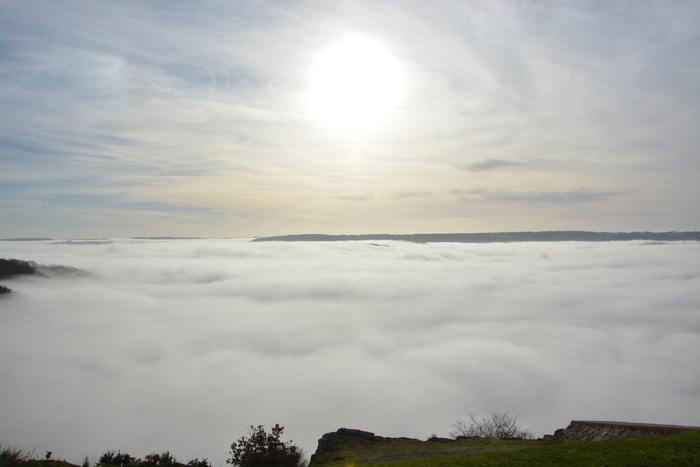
(172, 104)
(573, 196)
(408, 194)
(489, 164)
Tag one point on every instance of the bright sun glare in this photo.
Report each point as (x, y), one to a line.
(354, 85)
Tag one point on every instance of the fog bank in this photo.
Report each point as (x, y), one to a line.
(180, 345)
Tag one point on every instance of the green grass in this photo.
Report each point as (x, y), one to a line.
(393, 449)
(678, 450)
(682, 449)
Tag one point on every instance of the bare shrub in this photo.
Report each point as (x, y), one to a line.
(501, 425)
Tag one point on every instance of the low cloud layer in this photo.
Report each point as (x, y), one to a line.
(180, 345)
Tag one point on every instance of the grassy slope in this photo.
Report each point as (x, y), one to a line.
(393, 449)
(679, 450)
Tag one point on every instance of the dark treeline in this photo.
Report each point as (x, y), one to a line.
(17, 267)
(495, 237)
(10, 268)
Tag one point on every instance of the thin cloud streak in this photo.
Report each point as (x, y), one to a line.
(570, 197)
(180, 345)
(489, 164)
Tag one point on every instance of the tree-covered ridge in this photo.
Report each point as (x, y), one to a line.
(17, 267)
(10, 268)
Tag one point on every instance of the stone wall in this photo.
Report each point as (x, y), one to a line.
(585, 430)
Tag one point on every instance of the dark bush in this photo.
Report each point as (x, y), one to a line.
(10, 457)
(262, 449)
(117, 458)
(198, 463)
(159, 460)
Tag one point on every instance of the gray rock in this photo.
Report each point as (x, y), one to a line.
(344, 436)
(585, 430)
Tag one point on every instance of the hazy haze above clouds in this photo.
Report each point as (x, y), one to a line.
(180, 345)
(136, 118)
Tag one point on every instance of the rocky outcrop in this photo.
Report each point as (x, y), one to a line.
(585, 430)
(343, 437)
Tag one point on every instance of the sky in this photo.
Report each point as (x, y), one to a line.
(181, 345)
(249, 118)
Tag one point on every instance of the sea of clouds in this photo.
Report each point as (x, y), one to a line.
(180, 345)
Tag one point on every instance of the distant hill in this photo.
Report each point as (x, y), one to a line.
(496, 237)
(10, 268)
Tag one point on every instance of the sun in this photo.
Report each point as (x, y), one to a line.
(354, 85)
